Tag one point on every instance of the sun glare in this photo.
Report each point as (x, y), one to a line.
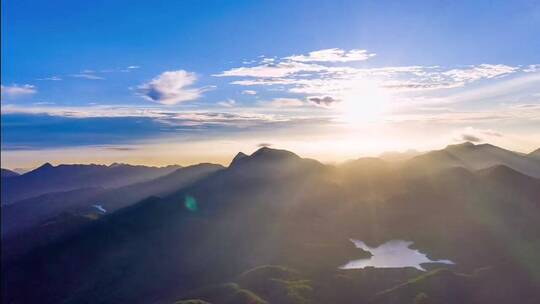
(366, 102)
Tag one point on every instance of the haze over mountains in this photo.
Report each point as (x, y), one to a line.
(476, 157)
(273, 227)
(49, 178)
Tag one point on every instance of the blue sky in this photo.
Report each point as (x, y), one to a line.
(106, 81)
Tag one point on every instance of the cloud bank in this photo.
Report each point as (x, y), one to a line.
(17, 90)
(326, 76)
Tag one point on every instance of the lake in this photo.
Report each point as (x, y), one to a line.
(392, 254)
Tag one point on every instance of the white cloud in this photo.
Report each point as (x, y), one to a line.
(531, 68)
(229, 103)
(333, 55)
(17, 90)
(52, 78)
(405, 87)
(86, 75)
(285, 102)
(479, 71)
(267, 70)
(309, 75)
(171, 87)
(249, 92)
(128, 69)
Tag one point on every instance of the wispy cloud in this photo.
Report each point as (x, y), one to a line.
(315, 77)
(249, 92)
(45, 128)
(84, 111)
(481, 71)
(87, 76)
(168, 116)
(127, 69)
(18, 90)
(333, 55)
(512, 86)
(171, 87)
(285, 102)
(229, 103)
(475, 135)
(532, 68)
(52, 78)
(508, 114)
(113, 148)
(270, 70)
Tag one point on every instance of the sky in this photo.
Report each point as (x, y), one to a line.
(163, 82)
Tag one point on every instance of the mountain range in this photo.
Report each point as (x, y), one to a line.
(273, 227)
(48, 178)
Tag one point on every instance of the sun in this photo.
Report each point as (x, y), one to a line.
(365, 102)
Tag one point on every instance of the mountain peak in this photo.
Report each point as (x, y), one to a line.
(45, 166)
(263, 154)
(466, 144)
(239, 156)
(269, 153)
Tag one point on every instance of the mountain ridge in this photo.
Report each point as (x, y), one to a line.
(48, 178)
(475, 157)
(7, 173)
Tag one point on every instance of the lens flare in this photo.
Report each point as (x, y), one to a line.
(190, 203)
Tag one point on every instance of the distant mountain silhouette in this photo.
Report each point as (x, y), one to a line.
(475, 157)
(238, 158)
(8, 173)
(48, 178)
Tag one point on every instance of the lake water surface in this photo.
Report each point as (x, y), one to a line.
(392, 254)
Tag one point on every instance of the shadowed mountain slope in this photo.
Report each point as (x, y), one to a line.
(535, 153)
(7, 173)
(34, 221)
